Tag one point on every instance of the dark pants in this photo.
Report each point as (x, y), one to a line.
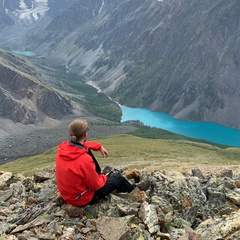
(114, 182)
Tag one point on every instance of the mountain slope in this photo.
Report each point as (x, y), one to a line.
(35, 95)
(178, 57)
(24, 97)
(5, 20)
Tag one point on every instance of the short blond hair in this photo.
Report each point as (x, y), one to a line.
(77, 129)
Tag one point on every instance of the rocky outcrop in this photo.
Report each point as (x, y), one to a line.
(177, 206)
(24, 97)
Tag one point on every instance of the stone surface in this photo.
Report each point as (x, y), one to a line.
(180, 207)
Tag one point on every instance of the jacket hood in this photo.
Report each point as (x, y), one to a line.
(69, 151)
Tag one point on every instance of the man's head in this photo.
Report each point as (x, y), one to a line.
(78, 129)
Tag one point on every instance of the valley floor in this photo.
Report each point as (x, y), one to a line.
(35, 140)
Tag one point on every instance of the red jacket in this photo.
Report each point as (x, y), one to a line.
(76, 172)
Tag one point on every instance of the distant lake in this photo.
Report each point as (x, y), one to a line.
(25, 53)
(208, 131)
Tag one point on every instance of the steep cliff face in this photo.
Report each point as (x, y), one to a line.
(24, 98)
(178, 57)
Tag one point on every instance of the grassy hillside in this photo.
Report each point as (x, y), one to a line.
(172, 152)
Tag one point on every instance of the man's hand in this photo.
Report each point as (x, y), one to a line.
(104, 152)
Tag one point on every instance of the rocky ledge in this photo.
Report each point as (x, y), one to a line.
(183, 206)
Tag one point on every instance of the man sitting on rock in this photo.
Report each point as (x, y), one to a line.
(78, 174)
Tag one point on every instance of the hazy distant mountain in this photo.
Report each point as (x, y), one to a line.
(17, 17)
(176, 56)
(26, 12)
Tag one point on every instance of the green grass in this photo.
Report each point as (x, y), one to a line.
(129, 151)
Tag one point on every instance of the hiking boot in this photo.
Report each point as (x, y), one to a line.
(133, 174)
(144, 185)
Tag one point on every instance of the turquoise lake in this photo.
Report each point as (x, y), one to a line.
(208, 131)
